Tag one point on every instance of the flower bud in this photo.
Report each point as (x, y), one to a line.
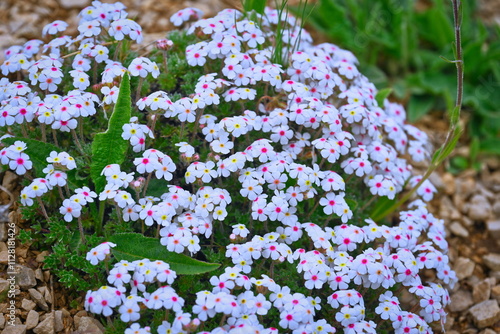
(164, 44)
(185, 159)
(192, 326)
(137, 184)
(237, 239)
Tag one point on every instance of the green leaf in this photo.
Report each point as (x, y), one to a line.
(458, 164)
(435, 25)
(445, 151)
(455, 115)
(474, 149)
(375, 74)
(353, 205)
(109, 147)
(490, 146)
(38, 152)
(382, 95)
(436, 156)
(135, 246)
(257, 5)
(381, 208)
(157, 187)
(419, 106)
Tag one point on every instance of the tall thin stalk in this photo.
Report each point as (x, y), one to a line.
(455, 130)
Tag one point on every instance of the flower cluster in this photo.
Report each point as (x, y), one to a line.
(280, 170)
(15, 158)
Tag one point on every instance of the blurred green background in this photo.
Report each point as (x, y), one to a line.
(399, 44)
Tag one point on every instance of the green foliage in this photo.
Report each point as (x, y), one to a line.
(382, 95)
(381, 207)
(180, 78)
(135, 246)
(400, 44)
(67, 258)
(109, 147)
(256, 5)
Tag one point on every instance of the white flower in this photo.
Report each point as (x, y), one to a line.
(70, 210)
(20, 163)
(186, 149)
(99, 252)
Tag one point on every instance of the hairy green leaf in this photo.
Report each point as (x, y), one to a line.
(455, 115)
(109, 147)
(451, 144)
(135, 246)
(38, 152)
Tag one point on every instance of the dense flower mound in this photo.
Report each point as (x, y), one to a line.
(303, 137)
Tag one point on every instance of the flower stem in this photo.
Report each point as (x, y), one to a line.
(196, 122)
(42, 207)
(370, 201)
(54, 136)
(455, 131)
(44, 133)
(139, 86)
(60, 192)
(313, 209)
(146, 184)
(23, 130)
(80, 227)
(77, 141)
(98, 227)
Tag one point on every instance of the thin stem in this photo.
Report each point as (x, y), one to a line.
(80, 127)
(94, 73)
(42, 207)
(313, 209)
(321, 163)
(80, 227)
(23, 130)
(164, 61)
(368, 203)
(54, 136)
(139, 86)
(77, 141)
(452, 133)
(98, 227)
(325, 224)
(117, 51)
(154, 118)
(68, 193)
(60, 192)
(146, 184)
(196, 122)
(182, 130)
(458, 45)
(118, 213)
(44, 133)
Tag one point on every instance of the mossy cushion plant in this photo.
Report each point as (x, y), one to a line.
(222, 180)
